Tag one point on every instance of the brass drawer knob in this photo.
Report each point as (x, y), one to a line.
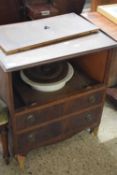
(92, 99)
(88, 117)
(31, 138)
(30, 119)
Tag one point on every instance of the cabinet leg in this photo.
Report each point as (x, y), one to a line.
(94, 131)
(4, 139)
(21, 161)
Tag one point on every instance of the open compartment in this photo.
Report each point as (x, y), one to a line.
(89, 73)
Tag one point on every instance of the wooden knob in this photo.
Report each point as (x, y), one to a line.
(31, 137)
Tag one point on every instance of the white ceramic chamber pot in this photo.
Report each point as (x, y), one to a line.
(49, 87)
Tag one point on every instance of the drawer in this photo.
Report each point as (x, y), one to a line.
(85, 101)
(71, 105)
(58, 130)
(39, 117)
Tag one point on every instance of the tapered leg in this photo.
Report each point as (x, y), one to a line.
(94, 131)
(21, 161)
(4, 139)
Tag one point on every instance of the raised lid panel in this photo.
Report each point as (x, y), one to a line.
(56, 52)
(31, 34)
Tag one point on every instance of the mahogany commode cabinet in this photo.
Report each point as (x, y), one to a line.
(42, 118)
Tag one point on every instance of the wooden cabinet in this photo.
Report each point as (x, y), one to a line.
(41, 118)
(9, 11)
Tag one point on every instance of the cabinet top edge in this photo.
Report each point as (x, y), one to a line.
(56, 52)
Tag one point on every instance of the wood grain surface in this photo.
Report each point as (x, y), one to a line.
(103, 23)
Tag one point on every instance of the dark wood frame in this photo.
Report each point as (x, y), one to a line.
(6, 92)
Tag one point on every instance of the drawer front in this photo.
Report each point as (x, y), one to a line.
(59, 130)
(83, 102)
(41, 116)
(58, 111)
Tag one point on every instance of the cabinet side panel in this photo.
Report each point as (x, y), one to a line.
(113, 69)
(94, 65)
